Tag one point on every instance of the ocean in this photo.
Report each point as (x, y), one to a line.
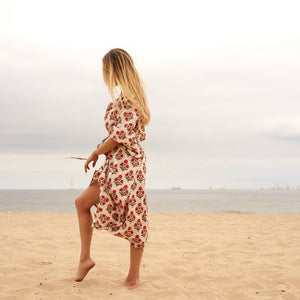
(164, 201)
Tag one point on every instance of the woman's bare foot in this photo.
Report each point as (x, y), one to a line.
(130, 285)
(83, 269)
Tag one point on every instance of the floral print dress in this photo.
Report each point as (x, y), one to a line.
(122, 209)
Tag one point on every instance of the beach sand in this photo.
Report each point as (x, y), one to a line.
(187, 256)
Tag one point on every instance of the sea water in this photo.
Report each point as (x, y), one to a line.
(164, 201)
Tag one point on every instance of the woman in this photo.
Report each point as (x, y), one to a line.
(117, 189)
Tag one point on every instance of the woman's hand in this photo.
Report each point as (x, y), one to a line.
(93, 158)
(102, 148)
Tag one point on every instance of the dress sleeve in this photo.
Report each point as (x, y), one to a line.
(126, 130)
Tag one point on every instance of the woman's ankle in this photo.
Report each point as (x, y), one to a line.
(132, 280)
(84, 258)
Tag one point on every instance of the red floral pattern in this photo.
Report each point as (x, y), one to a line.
(122, 209)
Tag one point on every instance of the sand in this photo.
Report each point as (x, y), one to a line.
(188, 256)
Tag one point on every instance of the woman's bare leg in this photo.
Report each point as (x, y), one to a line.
(133, 278)
(83, 204)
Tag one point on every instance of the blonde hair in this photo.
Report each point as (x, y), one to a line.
(118, 69)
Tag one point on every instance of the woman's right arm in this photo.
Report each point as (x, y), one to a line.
(106, 147)
(101, 149)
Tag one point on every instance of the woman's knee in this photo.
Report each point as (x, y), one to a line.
(88, 198)
(80, 203)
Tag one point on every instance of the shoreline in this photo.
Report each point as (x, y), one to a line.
(161, 214)
(198, 256)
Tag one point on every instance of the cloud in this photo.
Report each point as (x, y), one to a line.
(284, 128)
(292, 138)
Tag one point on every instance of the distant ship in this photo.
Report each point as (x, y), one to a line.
(176, 188)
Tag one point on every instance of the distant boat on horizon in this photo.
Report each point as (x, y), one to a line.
(176, 188)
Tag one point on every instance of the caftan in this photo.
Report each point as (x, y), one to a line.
(122, 209)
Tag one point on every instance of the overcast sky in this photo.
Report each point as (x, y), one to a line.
(222, 80)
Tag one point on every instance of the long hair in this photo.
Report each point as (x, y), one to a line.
(119, 69)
